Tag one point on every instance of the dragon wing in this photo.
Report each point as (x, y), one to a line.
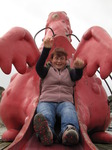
(95, 49)
(17, 47)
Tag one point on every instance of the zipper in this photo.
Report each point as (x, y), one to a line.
(59, 84)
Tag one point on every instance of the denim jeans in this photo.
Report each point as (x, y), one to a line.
(65, 110)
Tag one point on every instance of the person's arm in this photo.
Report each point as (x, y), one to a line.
(77, 72)
(40, 69)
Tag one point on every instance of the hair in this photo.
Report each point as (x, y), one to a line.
(59, 52)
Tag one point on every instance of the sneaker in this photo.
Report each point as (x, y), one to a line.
(42, 130)
(70, 136)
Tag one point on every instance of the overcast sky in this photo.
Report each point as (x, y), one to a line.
(32, 15)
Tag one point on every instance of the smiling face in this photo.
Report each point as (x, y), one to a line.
(59, 62)
(59, 58)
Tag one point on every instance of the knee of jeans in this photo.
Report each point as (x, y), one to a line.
(49, 116)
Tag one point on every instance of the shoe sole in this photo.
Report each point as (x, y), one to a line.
(42, 130)
(71, 138)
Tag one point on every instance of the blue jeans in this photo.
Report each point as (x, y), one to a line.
(65, 110)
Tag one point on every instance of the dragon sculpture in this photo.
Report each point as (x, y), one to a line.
(20, 99)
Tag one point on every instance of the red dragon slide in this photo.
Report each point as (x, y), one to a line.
(20, 99)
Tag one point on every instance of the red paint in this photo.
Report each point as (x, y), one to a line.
(20, 99)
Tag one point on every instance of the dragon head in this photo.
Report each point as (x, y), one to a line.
(60, 24)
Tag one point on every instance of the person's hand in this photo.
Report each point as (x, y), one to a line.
(78, 63)
(48, 42)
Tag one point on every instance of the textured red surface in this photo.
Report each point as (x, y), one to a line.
(20, 99)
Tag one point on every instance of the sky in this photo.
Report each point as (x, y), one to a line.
(32, 15)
